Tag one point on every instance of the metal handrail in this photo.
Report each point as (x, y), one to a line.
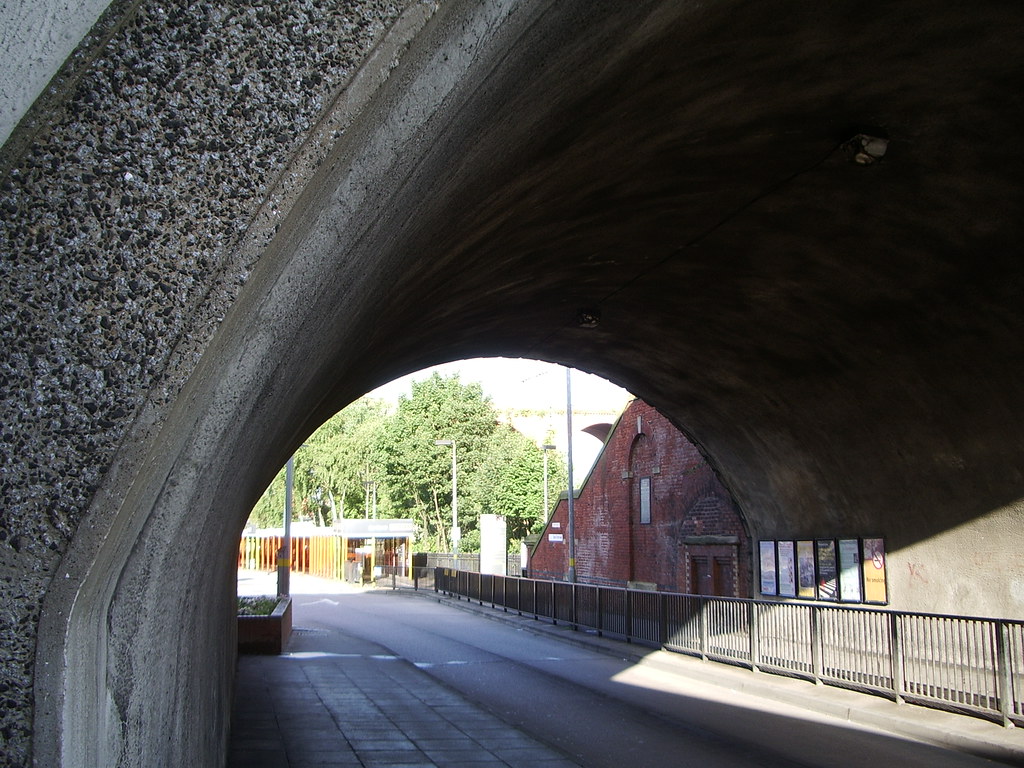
(968, 664)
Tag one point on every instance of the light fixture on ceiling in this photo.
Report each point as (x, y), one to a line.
(588, 318)
(865, 149)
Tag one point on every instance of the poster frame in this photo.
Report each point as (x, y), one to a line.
(827, 570)
(851, 590)
(769, 575)
(807, 572)
(785, 561)
(871, 547)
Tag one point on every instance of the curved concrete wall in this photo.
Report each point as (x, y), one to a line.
(244, 218)
(35, 41)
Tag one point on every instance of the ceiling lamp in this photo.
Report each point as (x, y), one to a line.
(865, 150)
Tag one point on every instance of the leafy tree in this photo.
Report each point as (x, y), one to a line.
(269, 510)
(417, 471)
(499, 470)
(330, 469)
(339, 459)
(509, 481)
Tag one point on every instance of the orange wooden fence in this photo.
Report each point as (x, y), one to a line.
(315, 555)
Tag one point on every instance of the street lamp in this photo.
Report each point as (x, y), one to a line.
(546, 447)
(570, 499)
(456, 533)
(284, 554)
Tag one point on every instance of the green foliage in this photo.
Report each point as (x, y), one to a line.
(263, 605)
(418, 472)
(330, 470)
(509, 482)
(499, 470)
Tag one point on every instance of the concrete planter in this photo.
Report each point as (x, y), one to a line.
(266, 634)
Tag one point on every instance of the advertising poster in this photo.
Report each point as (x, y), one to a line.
(874, 571)
(807, 586)
(768, 583)
(849, 571)
(787, 569)
(828, 581)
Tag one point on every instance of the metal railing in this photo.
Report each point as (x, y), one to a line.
(959, 663)
(468, 561)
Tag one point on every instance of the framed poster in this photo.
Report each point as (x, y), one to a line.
(875, 590)
(806, 583)
(787, 568)
(849, 571)
(828, 575)
(768, 580)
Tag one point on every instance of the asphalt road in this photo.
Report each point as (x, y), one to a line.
(601, 711)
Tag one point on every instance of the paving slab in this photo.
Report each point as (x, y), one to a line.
(334, 700)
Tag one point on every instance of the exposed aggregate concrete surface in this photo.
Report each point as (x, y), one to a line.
(128, 227)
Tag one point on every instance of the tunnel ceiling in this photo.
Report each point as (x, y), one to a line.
(683, 171)
(841, 340)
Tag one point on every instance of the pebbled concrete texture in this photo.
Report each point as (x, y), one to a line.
(128, 228)
(245, 216)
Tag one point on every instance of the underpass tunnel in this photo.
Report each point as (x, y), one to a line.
(663, 194)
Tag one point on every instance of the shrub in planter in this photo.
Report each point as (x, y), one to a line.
(264, 624)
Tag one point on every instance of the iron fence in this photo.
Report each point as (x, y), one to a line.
(965, 664)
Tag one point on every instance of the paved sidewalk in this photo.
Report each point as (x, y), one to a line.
(335, 700)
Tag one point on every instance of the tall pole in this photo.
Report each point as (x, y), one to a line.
(570, 505)
(284, 555)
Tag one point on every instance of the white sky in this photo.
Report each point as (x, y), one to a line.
(534, 385)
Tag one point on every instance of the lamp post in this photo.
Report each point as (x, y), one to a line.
(284, 554)
(546, 447)
(456, 533)
(570, 500)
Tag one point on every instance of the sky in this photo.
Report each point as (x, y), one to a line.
(519, 384)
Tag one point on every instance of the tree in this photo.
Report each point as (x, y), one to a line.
(340, 458)
(417, 472)
(499, 470)
(330, 469)
(509, 481)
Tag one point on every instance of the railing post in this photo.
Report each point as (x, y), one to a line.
(1004, 682)
(896, 660)
(572, 611)
(629, 616)
(702, 626)
(663, 620)
(753, 627)
(554, 605)
(600, 612)
(816, 645)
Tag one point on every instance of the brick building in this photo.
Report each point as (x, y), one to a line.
(652, 514)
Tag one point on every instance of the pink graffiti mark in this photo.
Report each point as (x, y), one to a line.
(917, 572)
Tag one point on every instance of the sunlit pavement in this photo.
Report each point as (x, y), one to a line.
(335, 700)
(255, 583)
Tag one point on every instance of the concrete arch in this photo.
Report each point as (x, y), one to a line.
(842, 340)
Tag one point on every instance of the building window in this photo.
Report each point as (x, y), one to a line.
(645, 500)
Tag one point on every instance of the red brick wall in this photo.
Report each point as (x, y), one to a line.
(690, 512)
